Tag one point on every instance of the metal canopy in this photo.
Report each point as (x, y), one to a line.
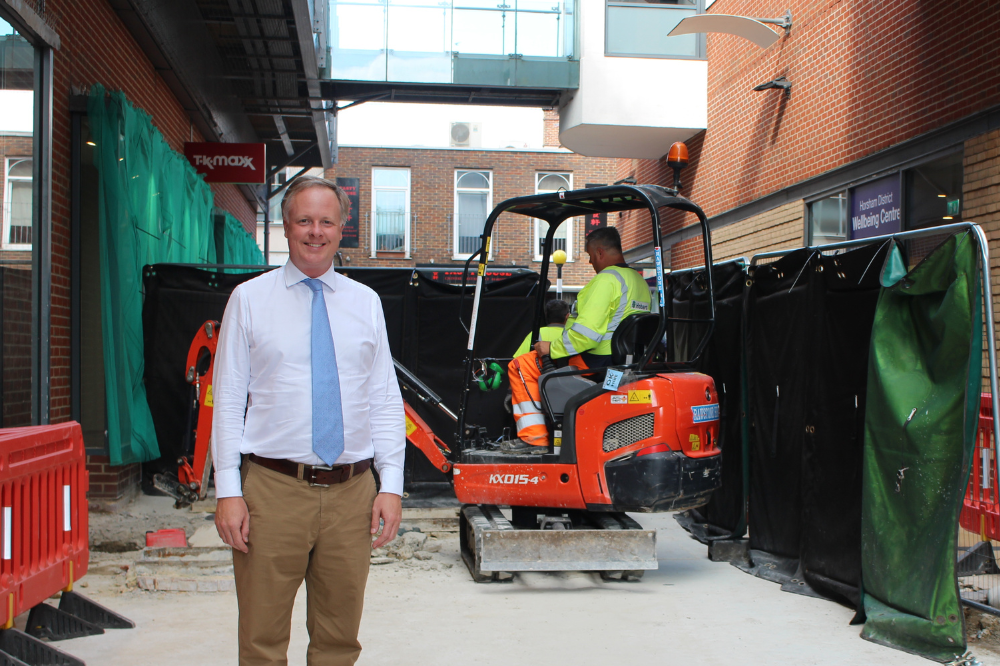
(557, 206)
(237, 67)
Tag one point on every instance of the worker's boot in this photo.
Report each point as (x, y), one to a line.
(521, 447)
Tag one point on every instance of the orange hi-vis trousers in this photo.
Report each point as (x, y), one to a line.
(526, 400)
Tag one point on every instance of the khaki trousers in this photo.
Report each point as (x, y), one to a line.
(298, 531)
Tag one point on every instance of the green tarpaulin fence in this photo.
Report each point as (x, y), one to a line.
(239, 247)
(154, 208)
(924, 381)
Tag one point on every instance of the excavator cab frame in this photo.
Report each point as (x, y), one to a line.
(555, 208)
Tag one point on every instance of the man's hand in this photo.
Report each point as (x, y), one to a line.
(389, 508)
(232, 519)
(542, 347)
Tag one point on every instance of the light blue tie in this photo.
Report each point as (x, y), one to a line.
(327, 413)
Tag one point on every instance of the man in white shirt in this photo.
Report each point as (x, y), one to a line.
(306, 395)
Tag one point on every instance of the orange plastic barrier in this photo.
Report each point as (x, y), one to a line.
(981, 510)
(43, 515)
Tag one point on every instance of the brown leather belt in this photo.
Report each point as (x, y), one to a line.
(315, 475)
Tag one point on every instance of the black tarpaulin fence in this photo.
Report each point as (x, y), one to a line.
(847, 499)
(422, 322)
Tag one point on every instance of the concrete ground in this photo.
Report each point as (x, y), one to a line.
(690, 611)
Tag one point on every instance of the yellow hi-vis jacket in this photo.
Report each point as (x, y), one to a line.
(609, 297)
(545, 334)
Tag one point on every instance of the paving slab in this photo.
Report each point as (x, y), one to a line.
(424, 612)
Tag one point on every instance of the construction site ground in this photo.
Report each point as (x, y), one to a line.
(422, 608)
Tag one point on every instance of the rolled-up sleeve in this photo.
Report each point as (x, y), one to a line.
(388, 426)
(230, 391)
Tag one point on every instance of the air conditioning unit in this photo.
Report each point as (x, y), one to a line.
(466, 135)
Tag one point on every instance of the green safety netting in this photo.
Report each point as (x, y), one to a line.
(154, 208)
(923, 394)
(239, 247)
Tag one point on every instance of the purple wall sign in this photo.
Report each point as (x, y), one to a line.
(876, 208)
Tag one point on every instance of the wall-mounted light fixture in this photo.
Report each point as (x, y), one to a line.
(780, 82)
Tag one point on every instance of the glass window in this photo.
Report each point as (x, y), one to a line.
(19, 326)
(639, 28)
(828, 219)
(553, 182)
(934, 192)
(473, 201)
(391, 211)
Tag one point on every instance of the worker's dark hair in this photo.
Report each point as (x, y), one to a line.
(556, 311)
(606, 237)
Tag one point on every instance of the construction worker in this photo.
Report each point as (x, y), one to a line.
(556, 313)
(613, 294)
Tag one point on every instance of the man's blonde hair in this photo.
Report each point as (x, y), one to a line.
(304, 183)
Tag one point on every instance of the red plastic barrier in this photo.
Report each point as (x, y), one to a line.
(981, 510)
(43, 519)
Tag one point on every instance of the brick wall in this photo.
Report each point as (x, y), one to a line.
(865, 76)
(432, 201)
(550, 131)
(109, 481)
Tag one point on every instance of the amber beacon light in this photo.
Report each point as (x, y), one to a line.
(677, 159)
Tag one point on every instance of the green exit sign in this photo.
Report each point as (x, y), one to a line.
(953, 206)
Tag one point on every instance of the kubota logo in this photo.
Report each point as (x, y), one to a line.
(513, 479)
(211, 161)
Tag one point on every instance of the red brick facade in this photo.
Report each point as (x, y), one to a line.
(865, 76)
(432, 201)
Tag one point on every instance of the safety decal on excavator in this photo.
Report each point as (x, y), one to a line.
(695, 442)
(703, 413)
(513, 479)
(620, 399)
(208, 397)
(410, 426)
(640, 397)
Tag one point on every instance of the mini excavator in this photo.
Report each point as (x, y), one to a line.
(639, 436)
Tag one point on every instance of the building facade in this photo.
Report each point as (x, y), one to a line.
(427, 206)
(878, 107)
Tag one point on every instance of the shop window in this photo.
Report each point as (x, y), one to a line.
(391, 211)
(17, 204)
(638, 28)
(473, 202)
(563, 240)
(827, 221)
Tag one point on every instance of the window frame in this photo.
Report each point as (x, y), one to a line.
(456, 255)
(375, 253)
(8, 186)
(569, 224)
(807, 236)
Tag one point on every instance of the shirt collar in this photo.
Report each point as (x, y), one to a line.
(294, 276)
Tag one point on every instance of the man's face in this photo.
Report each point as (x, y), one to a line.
(312, 227)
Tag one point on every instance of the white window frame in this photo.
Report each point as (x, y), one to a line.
(374, 219)
(8, 197)
(489, 208)
(569, 224)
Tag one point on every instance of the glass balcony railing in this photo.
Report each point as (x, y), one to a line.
(424, 41)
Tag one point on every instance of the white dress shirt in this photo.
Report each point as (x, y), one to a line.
(262, 368)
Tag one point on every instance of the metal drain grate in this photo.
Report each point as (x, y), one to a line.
(628, 432)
